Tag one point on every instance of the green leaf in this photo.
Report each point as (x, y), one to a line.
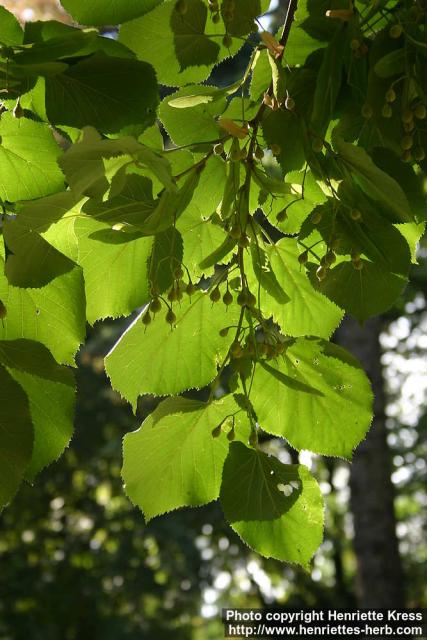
(202, 237)
(282, 128)
(382, 243)
(253, 498)
(418, 44)
(377, 184)
(107, 12)
(193, 100)
(300, 43)
(244, 14)
(194, 125)
(31, 261)
(145, 359)
(104, 92)
(12, 86)
(176, 45)
(173, 460)
(305, 194)
(410, 182)
(34, 100)
(365, 292)
(28, 160)
(171, 205)
(52, 40)
(313, 383)
(53, 44)
(145, 217)
(11, 33)
(53, 315)
(305, 312)
(266, 276)
(50, 390)
(16, 436)
(152, 137)
(278, 78)
(166, 255)
(328, 82)
(192, 46)
(115, 273)
(88, 173)
(269, 184)
(125, 213)
(313, 19)
(209, 190)
(371, 236)
(54, 218)
(205, 244)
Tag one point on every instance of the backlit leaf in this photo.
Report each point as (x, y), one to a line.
(144, 359)
(54, 314)
(173, 460)
(299, 310)
(28, 160)
(10, 30)
(313, 383)
(107, 12)
(285, 527)
(177, 46)
(50, 390)
(365, 292)
(16, 436)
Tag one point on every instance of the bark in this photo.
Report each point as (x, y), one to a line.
(343, 596)
(379, 567)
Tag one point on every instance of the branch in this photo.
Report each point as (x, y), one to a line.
(290, 16)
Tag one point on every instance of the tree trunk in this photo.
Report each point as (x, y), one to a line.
(379, 567)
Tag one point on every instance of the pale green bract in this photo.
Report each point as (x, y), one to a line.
(200, 127)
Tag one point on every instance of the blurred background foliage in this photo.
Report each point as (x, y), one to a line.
(78, 562)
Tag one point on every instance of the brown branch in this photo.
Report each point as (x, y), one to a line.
(290, 15)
